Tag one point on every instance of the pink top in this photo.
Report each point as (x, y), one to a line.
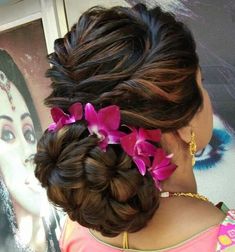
(219, 238)
(76, 238)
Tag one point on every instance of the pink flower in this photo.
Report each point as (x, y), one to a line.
(60, 118)
(136, 146)
(104, 124)
(162, 168)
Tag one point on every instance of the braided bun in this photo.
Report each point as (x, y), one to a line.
(101, 190)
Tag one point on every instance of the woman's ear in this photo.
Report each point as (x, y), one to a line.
(185, 134)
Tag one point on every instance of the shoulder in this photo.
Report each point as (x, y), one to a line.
(196, 215)
(182, 219)
(206, 212)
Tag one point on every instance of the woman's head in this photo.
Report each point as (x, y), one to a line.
(133, 58)
(14, 75)
(17, 139)
(143, 61)
(204, 116)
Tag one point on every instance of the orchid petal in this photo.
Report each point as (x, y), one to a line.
(91, 117)
(157, 184)
(70, 120)
(158, 157)
(60, 123)
(145, 148)
(114, 136)
(128, 143)
(52, 127)
(103, 144)
(164, 172)
(162, 168)
(109, 117)
(76, 111)
(153, 135)
(145, 159)
(57, 114)
(102, 134)
(164, 162)
(140, 165)
(141, 134)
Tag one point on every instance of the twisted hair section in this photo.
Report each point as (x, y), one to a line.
(100, 190)
(143, 61)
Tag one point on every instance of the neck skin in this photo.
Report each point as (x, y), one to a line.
(30, 226)
(183, 179)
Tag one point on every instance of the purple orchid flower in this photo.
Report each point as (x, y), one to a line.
(104, 124)
(162, 168)
(60, 118)
(136, 146)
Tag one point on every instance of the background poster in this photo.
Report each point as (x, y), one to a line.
(22, 86)
(27, 221)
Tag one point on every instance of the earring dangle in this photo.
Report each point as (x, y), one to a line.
(192, 148)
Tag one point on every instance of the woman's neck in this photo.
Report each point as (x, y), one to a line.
(183, 179)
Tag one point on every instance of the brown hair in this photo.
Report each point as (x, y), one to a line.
(145, 62)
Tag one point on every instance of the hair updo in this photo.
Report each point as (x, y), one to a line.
(143, 61)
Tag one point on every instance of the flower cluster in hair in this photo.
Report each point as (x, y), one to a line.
(105, 124)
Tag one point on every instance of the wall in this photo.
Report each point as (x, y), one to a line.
(75, 8)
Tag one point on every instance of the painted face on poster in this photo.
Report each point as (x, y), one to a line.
(18, 145)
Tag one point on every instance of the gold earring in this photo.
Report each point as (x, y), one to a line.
(192, 148)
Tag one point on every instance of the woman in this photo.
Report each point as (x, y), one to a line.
(22, 198)
(215, 163)
(128, 106)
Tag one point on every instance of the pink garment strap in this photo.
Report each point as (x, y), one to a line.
(226, 236)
